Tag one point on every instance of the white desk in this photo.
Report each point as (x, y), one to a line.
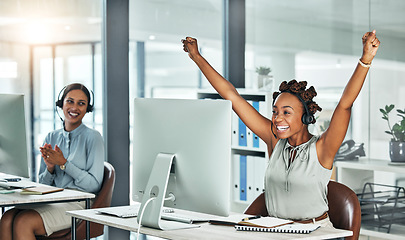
(67, 195)
(206, 231)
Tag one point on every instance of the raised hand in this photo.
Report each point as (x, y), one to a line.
(370, 46)
(191, 47)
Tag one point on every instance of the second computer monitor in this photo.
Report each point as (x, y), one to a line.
(198, 134)
(13, 141)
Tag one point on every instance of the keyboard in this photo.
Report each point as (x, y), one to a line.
(14, 185)
(167, 214)
(122, 212)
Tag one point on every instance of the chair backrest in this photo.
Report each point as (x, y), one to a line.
(344, 208)
(257, 207)
(103, 199)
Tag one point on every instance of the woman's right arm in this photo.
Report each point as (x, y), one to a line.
(259, 124)
(44, 176)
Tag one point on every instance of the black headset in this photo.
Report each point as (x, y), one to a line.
(307, 117)
(74, 86)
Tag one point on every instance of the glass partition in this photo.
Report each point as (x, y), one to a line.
(320, 42)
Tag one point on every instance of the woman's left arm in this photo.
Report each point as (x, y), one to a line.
(333, 137)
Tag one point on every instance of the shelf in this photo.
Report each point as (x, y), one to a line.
(355, 173)
(254, 151)
(397, 232)
(253, 171)
(371, 165)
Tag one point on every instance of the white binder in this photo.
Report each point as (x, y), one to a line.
(260, 170)
(235, 177)
(235, 130)
(251, 177)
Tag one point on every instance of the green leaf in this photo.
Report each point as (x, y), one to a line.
(383, 111)
(400, 111)
(385, 117)
(389, 108)
(388, 132)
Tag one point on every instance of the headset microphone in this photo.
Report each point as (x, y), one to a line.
(59, 115)
(272, 130)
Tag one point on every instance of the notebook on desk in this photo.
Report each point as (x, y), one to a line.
(39, 190)
(289, 228)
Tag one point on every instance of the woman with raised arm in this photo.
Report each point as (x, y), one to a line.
(300, 163)
(73, 157)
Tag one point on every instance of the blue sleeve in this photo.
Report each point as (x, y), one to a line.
(89, 179)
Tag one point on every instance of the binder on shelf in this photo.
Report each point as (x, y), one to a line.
(250, 178)
(263, 110)
(260, 170)
(235, 130)
(236, 176)
(255, 138)
(249, 133)
(258, 143)
(242, 133)
(242, 177)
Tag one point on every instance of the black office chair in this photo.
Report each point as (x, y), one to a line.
(103, 199)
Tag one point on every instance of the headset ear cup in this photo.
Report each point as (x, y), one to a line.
(89, 108)
(59, 103)
(307, 119)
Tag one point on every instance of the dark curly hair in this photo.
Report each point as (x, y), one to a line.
(305, 95)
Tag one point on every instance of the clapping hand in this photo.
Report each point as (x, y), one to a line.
(51, 156)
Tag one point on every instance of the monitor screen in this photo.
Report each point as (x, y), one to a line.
(198, 134)
(13, 139)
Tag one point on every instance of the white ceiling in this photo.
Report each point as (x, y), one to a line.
(47, 21)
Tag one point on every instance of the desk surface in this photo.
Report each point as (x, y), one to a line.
(205, 231)
(13, 199)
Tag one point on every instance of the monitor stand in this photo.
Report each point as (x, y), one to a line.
(156, 187)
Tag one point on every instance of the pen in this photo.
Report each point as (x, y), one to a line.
(250, 218)
(12, 179)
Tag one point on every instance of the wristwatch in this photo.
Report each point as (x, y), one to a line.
(62, 167)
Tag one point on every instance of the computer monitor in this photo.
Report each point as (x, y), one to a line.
(13, 139)
(187, 143)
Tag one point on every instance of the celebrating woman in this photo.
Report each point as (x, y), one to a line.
(300, 163)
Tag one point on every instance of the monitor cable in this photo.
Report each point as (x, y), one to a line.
(170, 198)
(140, 217)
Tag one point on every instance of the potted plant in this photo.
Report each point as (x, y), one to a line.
(263, 70)
(264, 80)
(397, 132)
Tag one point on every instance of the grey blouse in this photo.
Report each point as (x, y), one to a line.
(297, 190)
(83, 149)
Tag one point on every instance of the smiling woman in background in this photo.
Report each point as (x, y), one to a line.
(300, 163)
(73, 157)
